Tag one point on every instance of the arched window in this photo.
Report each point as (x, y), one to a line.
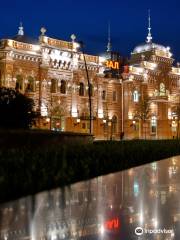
(63, 87)
(135, 96)
(162, 89)
(19, 82)
(81, 89)
(114, 124)
(53, 85)
(30, 84)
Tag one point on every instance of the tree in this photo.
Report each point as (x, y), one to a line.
(16, 110)
(143, 112)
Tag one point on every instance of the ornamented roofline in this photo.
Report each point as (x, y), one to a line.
(19, 45)
(45, 41)
(56, 43)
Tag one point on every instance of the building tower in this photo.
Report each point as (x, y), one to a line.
(149, 36)
(109, 46)
(21, 30)
(154, 79)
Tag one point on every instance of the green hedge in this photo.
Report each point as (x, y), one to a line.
(28, 170)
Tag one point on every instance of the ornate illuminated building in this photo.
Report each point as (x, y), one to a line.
(53, 72)
(152, 78)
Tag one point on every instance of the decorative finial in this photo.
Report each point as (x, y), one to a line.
(109, 47)
(43, 31)
(149, 36)
(73, 37)
(21, 30)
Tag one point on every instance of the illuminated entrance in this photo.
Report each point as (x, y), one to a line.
(58, 120)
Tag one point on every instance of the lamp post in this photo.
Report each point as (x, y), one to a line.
(89, 89)
(109, 123)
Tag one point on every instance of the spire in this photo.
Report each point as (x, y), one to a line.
(149, 36)
(109, 47)
(21, 30)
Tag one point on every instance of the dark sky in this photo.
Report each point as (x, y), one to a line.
(88, 20)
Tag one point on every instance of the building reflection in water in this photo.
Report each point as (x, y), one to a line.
(107, 207)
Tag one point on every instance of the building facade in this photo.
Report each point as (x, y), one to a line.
(55, 74)
(151, 92)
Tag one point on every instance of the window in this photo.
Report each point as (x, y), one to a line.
(153, 125)
(19, 82)
(30, 85)
(156, 93)
(63, 87)
(114, 124)
(114, 96)
(135, 96)
(174, 126)
(162, 89)
(83, 125)
(103, 95)
(53, 85)
(81, 89)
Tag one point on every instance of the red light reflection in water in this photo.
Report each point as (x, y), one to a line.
(112, 224)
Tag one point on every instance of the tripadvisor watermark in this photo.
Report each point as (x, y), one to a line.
(140, 231)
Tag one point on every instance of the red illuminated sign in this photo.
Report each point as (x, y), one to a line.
(113, 224)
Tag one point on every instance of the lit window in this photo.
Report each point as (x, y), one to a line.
(135, 96)
(153, 124)
(156, 93)
(162, 89)
(174, 126)
(19, 82)
(30, 85)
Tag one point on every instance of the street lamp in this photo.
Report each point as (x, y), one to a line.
(89, 88)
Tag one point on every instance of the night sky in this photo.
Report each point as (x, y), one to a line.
(88, 20)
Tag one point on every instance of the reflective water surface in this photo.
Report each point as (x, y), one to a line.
(140, 203)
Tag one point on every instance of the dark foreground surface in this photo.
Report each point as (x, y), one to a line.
(46, 163)
(141, 203)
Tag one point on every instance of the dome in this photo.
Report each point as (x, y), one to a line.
(148, 47)
(24, 39)
(21, 37)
